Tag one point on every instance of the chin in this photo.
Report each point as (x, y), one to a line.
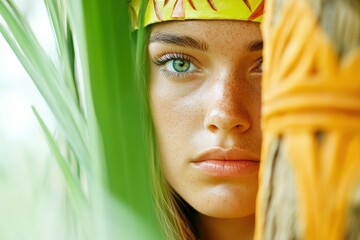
(221, 211)
(226, 203)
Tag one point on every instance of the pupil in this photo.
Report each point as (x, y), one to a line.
(181, 65)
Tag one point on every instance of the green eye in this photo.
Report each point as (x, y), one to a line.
(181, 65)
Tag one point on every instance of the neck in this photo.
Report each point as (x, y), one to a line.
(227, 229)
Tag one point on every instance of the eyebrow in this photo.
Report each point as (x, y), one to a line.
(187, 41)
(179, 40)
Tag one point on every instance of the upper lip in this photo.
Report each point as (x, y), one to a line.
(230, 154)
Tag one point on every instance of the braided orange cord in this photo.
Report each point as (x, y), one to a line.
(306, 90)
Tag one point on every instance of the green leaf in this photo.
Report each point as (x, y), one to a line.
(49, 80)
(74, 188)
(117, 104)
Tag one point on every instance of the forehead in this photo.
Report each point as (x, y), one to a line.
(212, 32)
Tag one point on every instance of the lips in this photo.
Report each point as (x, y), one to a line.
(233, 162)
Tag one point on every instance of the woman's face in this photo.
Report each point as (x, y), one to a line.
(205, 99)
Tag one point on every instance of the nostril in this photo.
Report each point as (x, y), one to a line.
(212, 128)
(243, 127)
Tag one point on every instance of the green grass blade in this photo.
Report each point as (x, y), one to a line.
(60, 27)
(75, 190)
(49, 82)
(19, 54)
(107, 137)
(71, 59)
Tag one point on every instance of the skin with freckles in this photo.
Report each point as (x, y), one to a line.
(205, 98)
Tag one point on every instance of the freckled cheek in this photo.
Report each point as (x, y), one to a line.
(172, 114)
(257, 120)
(166, 116)
(175, 118)
(174, 124)
(174, 107)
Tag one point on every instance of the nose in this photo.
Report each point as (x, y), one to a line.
(227, 110)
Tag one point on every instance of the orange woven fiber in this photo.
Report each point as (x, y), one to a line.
(308, 90)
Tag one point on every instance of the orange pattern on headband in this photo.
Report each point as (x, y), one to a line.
(259, 11)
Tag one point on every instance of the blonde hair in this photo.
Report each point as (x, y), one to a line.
(175, 216)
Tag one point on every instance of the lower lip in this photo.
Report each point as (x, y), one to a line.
(227, 168)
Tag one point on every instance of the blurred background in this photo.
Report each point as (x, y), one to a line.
(41, 201)
(31, 185)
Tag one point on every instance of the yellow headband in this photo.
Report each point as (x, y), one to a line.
(168, 10)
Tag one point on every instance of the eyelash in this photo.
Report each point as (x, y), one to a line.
(259, 63)
(165, 58)
(161, 60)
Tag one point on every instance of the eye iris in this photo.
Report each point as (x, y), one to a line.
(181, 65)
